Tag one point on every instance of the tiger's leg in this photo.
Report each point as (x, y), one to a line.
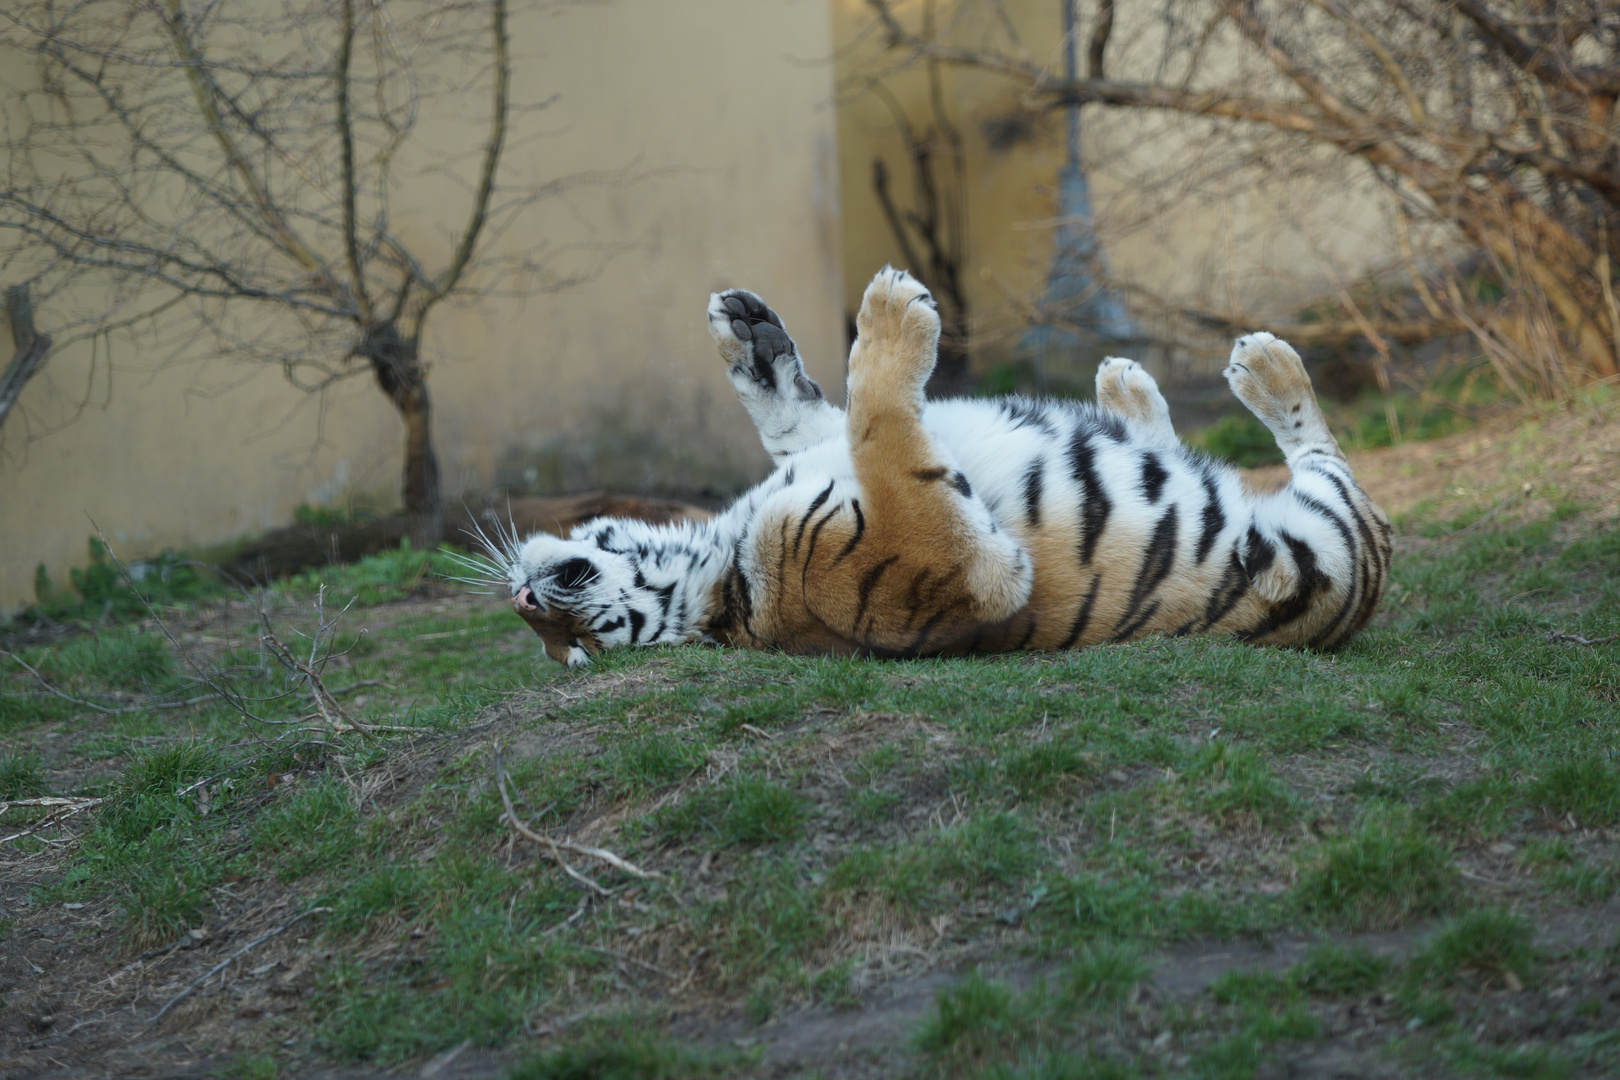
(763, 364)
(1125, 388)
(1319, 549)
(915, 562)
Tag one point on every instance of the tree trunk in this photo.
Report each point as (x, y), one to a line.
(951, 377)
(31, 348)
(396, 364)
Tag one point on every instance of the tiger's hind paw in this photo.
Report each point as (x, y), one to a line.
(1268, 376)
(761, 360)
(897, 338)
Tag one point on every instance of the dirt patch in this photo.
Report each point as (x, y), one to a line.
(1571, 452)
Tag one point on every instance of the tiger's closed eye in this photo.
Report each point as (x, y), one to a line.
(575, 573)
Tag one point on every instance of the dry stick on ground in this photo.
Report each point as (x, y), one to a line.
(223, 964)
(1576, 639)
(66, 808)
(556, 847)
(106, 710)
(326, 705)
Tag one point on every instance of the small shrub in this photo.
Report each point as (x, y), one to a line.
(100, 590)
(768, 920)
(1525, 1062)
(654, 761)
(1240, 439)
(166, 897)
(392, 889)
(1036, 771)
(1235, 786)
(1103, 975)
(972, 1019)
(22, 776)
(124, 659)
(748, 810)
(996, 849)
(1382, 875)
(626, 1053)
(1337, 971)
(1585, 787)
(1491, 946)
(1093, 907)
(162, 773)
(313, 828)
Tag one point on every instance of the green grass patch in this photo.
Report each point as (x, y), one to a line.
(1488, 947)
(1384, 874)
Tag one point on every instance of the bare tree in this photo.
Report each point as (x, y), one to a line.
(246, 174)
(1489, 122)
(31, 348)
(932, 233)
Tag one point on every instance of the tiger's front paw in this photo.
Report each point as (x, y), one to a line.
(761, 360)
(897, 336)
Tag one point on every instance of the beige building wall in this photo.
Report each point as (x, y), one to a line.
(723, 109)
(1264, 248)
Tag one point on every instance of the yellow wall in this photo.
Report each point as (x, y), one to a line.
(615, 381)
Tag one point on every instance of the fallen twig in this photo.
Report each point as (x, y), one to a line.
(326, 703)
(352, 687)
(223, 964)
(50, 800)
(1576, 639)
(106, 710)
(626, 959)
(555, 847)
(65, 808)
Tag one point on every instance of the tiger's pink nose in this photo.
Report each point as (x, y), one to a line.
(525, 600)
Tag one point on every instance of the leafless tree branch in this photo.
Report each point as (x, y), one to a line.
(1491, 124)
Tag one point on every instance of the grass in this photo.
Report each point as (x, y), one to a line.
(1386, 873)
(1057, 828)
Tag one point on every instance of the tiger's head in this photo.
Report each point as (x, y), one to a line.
(577, 597)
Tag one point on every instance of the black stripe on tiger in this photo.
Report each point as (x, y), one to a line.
(1095, 506)
(1311, 582)
(1214, 518)
(1083, 616)
(1356, 574)
(860, 527)
(914, 598)
(1227, 592)
(1029, 632)
(1153, 477)
(869, 582)
(815, 504)
(1258, 554)
(1157, 561)
(1026, 413)
(1034, 484)
(815, 533)
(1374, 586)
(745, 597)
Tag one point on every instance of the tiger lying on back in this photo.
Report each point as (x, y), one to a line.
(913, 528)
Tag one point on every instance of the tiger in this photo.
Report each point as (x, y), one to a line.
(904, 527)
